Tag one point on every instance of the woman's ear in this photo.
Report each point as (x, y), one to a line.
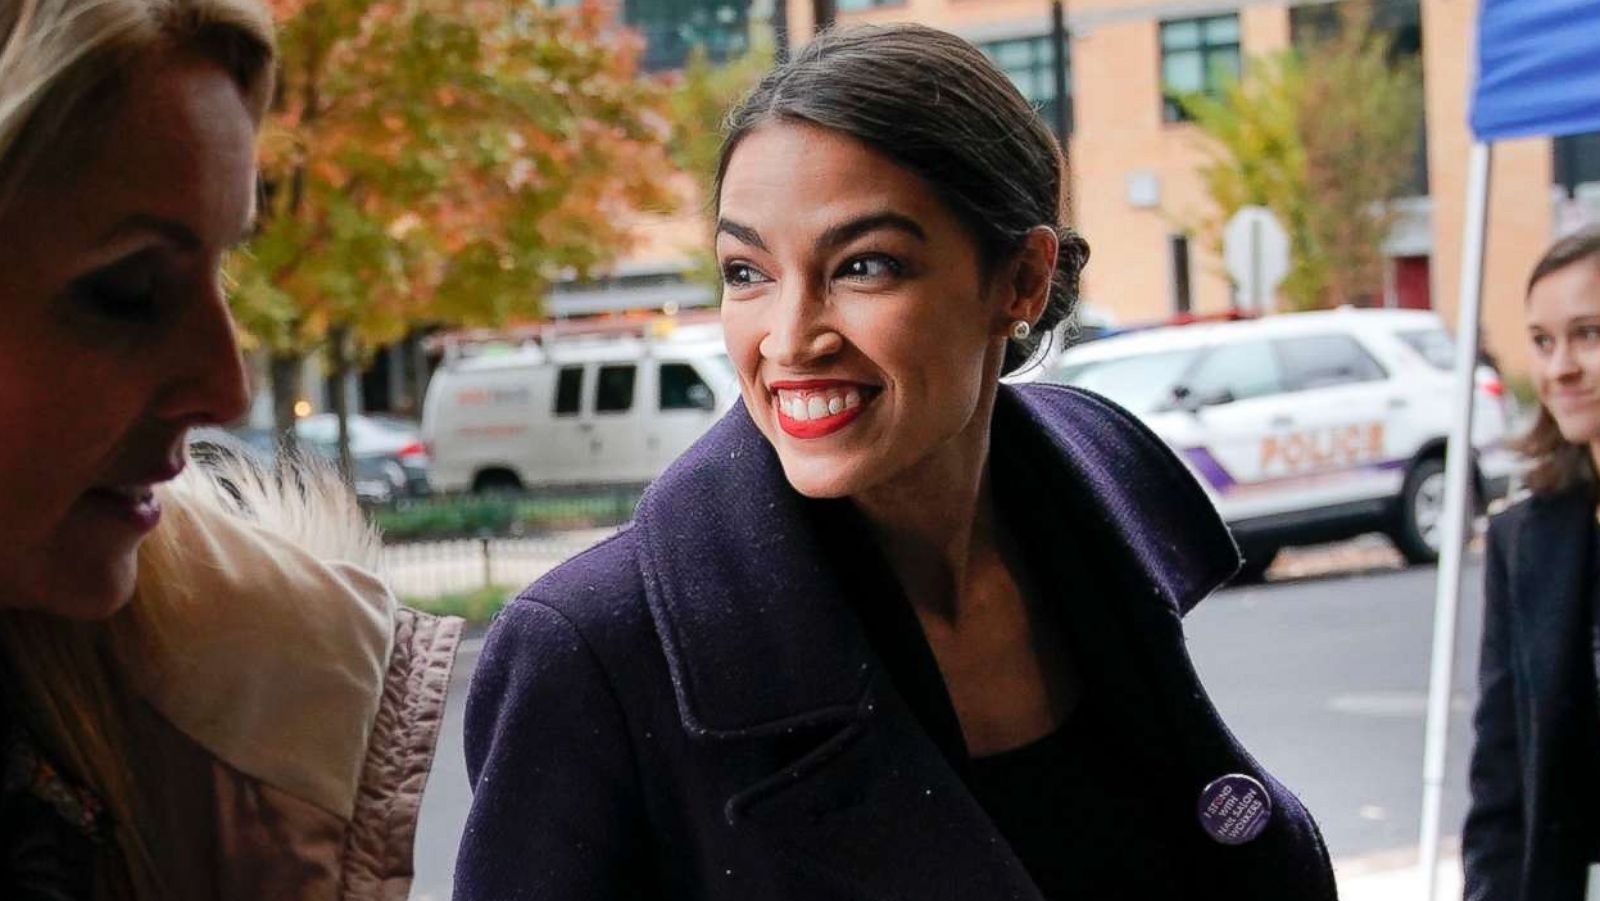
(1028, 278)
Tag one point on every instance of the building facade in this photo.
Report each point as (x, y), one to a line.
(1136, 191)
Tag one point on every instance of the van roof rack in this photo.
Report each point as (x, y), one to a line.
(459, 343)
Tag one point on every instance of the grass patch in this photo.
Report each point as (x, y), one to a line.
(477, 606)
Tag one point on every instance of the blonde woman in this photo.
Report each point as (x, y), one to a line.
(203, 694)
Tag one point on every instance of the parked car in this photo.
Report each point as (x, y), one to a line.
(388, 453)
(1307, 427)
(597, 411)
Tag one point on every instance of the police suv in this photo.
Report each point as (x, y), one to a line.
(1307, 427)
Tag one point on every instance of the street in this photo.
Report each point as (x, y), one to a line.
(1324, 679)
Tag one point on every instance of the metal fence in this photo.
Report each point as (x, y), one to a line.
(429, 569)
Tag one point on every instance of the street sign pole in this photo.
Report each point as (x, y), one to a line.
(1256, 250)
(1060, 40)
(1255, 264)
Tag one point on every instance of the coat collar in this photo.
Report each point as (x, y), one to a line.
(755, 625)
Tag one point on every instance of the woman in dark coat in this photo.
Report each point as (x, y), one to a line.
(1534, 827)
(890, 630)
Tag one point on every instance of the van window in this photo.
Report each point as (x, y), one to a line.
(615, 393)
(1233, 372)
(1322, 361)
(569, 390)
(682, 388)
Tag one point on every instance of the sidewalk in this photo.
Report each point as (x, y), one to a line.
(1394, 876)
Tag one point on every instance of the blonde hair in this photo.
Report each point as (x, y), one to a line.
(64, 65)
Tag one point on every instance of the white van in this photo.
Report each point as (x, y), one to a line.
(574, 412)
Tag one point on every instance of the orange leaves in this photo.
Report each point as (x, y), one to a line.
(435, 160)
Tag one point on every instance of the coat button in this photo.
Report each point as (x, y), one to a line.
(1234, 809)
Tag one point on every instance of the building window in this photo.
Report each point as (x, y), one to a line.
(1182, 301)
(1313, 23)
(1197, 56)
(1030, 64)
(852, 6)
(671, 28)
(1401, 21)
(1577, 160)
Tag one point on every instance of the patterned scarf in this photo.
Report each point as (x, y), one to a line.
(50, 830)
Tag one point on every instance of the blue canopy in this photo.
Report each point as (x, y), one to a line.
(1538, 68)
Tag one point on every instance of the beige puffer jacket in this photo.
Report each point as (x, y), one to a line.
(291, 714)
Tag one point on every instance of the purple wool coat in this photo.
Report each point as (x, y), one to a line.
(691, 709)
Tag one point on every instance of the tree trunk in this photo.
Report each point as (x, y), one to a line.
(339, 375)
(419, 368)
(284, 373)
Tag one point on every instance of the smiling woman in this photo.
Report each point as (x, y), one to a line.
(191, 690)
(890, 630)
(1533, 830)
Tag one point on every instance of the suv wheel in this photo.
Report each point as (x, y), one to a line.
(1420, 528)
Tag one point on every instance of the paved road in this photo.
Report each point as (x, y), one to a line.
(1326, 682)
(1323, 679)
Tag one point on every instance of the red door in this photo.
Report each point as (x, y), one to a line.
(1411, 286)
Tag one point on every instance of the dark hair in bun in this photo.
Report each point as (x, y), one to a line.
(933, 103)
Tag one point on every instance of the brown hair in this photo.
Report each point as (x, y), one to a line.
(934, 104)
(1558, 464)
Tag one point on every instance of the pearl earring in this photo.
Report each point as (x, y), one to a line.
(1020, 329)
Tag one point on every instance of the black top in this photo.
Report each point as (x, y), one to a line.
(1077, 815)
(1088, 809)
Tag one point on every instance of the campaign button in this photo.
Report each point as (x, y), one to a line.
(1235, 809)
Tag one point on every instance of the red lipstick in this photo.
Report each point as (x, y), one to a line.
(816, 408)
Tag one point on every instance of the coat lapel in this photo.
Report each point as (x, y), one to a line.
(763, 645)
(1552, 573)
(758, 633)
(1553, 584)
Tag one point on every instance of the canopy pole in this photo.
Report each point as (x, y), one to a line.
(1452, 546)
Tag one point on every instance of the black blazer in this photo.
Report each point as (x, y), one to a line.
(692, 710)
(1532, 825)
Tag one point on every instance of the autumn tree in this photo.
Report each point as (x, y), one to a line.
(439, 161)
(1326, 138)
(701, 98)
